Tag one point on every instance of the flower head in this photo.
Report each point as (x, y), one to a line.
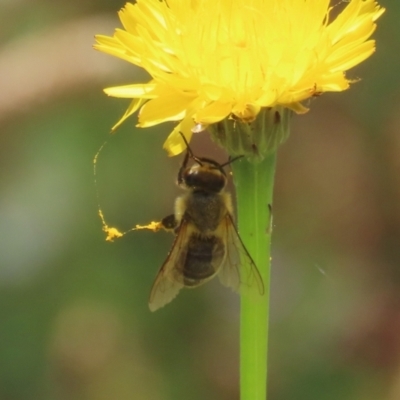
(213, 59)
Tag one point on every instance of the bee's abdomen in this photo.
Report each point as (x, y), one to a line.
(203, 258)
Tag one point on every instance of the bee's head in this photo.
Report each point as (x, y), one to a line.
(205, 175)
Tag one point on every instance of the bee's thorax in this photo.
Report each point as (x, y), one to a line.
(205, 210)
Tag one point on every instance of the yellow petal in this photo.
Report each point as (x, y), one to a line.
(132, 91)
(113, 47)
(212, 113)
(174, 143)
(133, 107)
(170, 107)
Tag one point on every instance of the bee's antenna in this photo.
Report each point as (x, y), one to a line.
(187, 144)
(189, 150)
(231, 160)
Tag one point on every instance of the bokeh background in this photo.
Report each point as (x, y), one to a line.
(74, 321)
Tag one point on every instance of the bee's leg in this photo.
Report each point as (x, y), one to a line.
(169, 223)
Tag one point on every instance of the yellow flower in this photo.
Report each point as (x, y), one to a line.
(213, 59)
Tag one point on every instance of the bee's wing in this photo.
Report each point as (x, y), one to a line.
(166, 285)
(238, 270)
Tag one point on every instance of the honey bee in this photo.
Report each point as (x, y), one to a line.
(206, 242)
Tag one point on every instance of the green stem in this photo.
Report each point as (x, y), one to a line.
(254, 187)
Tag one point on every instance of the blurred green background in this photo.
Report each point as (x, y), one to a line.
(74, 321)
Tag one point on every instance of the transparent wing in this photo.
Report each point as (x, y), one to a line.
(167, 284)
(238, 270)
